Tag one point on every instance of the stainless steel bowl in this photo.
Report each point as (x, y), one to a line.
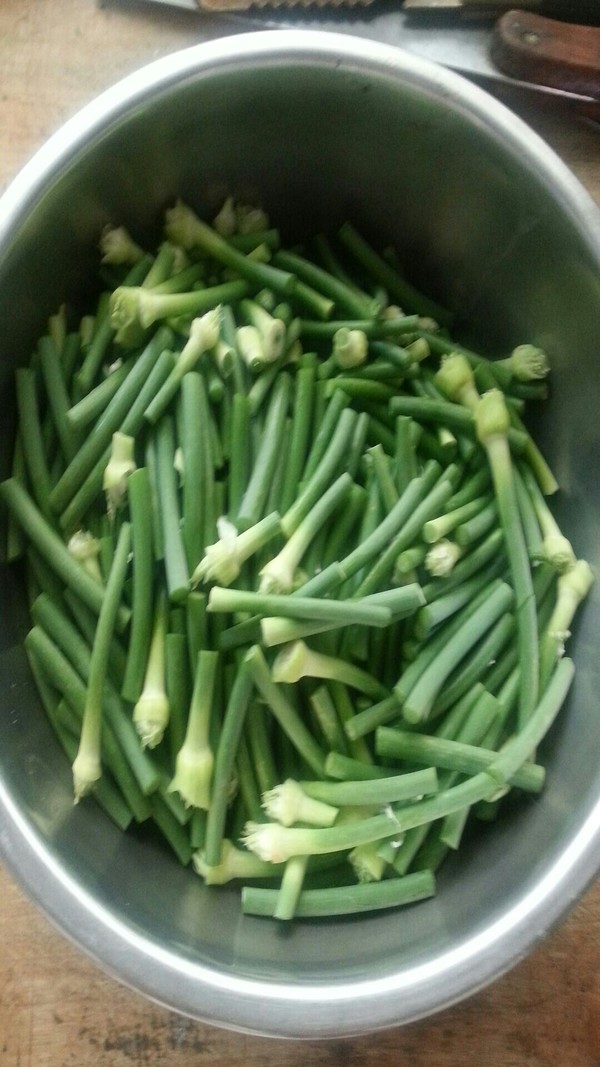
(320, 128)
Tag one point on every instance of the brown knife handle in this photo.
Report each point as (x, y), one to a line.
(561, 55)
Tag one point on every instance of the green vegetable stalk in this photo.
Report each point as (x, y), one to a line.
(493, 422)
(151, 711)
(87, 764)
(194, 762)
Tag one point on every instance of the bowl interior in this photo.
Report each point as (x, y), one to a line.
(319, 131)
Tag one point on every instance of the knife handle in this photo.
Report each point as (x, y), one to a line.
(558, 54)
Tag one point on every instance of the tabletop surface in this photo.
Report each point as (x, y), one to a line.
(57, 1009)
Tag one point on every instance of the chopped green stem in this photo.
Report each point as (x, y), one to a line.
(487, 651)
(203, 335)
(383, 475)
(225, 757)
(302, 416)
(276, 843)
(466, 567)
(401, 603)
(572, 589)
(91, 406)
(278, 575)
(441, 558)
(443, 412)
(284, 712)
(326, 254)
(360, 388)
(324, 474)
(240, 456)
(261, 748)
(341, 532)
(352, 768)
(477, 526)
(374, 791)
(492, 424)
(374, 543)
(405, 458)
(194, 762)
(290, 888)
(418, 703)
(48, 615)
(222, 562)
(109, 797)
(444, 607)
(271, 330)
(343, 900)
(232, 600)
(87, 764)
(364, 722)
(91, 485)
(151, 711)
(428, 651)
(265, 462)
(65, 680)
(32, 441)
(178, 688)
(120, 465)
(378, 370)
(555, 547)
(531, 527)
(429, 506)
(410, 559)
(185, 228)
(96, 350)
(58, 397)
(112, 419)
(474, 485)
(197, 466)
(534, 458)
(54, 551)
(69, 720)
(372, 327)
(519, 748)
(246, 242)
(455, 379)
(297, 661)
(168, 499)
(451, 755)
(140, 513)
(441, 526)
(235, 863)
(336, 405)
(381, 271)
(174, 834)
(346, 298)
(326, 717)
(289, 804)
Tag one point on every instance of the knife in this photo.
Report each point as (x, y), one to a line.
(462, 44)
(533, 47)
(553, 53)
(575, 11)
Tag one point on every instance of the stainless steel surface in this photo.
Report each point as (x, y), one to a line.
(320, 127)
(460, 44)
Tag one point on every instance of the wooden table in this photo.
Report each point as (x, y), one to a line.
(56, 1008)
